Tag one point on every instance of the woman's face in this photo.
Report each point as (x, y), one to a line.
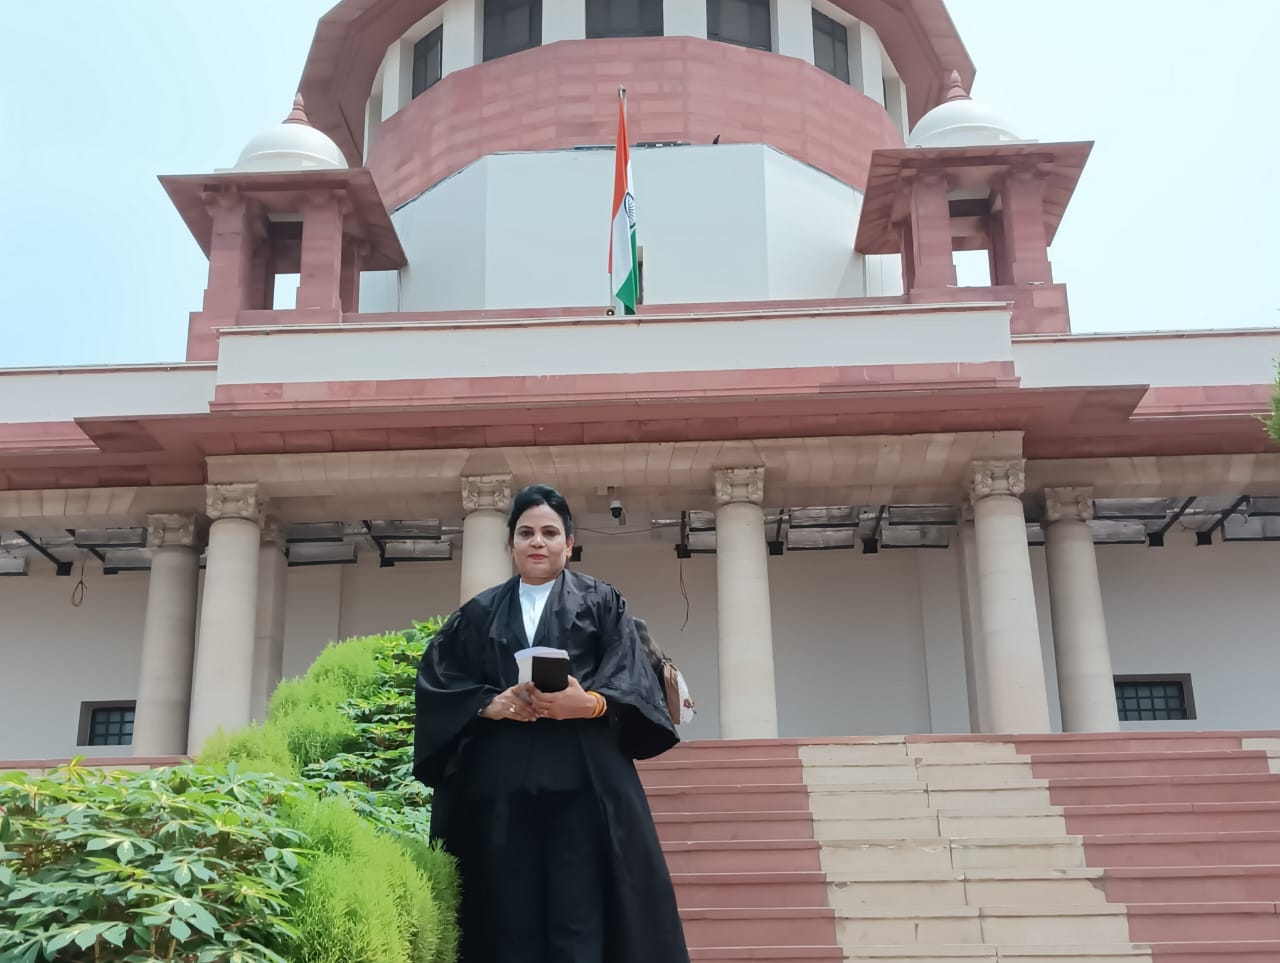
(539, 546)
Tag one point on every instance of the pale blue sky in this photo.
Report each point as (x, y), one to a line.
(1174, 224)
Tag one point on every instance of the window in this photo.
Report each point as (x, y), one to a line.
(1148, 698)
(106, 724)
(744, 22)
(831, 46)
(624, 18)
(427, 60)
(511, 26)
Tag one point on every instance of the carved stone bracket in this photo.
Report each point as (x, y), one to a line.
(1068, 504)
(235, 501)
(273, 533)
(739, 485)
(173, 530)
(486, 493)
(989, 478)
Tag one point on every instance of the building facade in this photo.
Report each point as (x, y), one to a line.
(850, 494)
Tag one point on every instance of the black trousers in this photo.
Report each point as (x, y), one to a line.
(544, 860)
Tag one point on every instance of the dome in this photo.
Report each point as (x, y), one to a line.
(960, 121)
(293, 145)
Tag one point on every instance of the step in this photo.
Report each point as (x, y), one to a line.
(900, 856)
(727, 799)
(1177, 884)
(1204, 921)
(1009, 887)
(1055, 925)
(729, 749)
(855, 754)
(674, 827)
(1174, 817)
(1050, 765)
(1121, 790)
(997, 853)
(722, 772)
(1123, 952)
(742, 856)
(1184, 849)
(796, 926)
(1215, 951)
(1128, 742)
(767, 954)
(837, 802)
(905, 925)
(901, 826)
(742, 890)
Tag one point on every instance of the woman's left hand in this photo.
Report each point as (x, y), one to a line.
(571, 703)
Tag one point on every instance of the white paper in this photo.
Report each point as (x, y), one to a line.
(524, 659)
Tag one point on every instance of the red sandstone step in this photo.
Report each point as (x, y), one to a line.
(1183, 849)
(743, 856)
(790, 926)
(674, 827)
(1173, 817)
(788, 797)
(1102, 790)
(766, 954)
(1131, 742)
(1190, 884)
(1204, 921)
(1226, 951)
(742, 890)
(1057, 765)
(722, 772)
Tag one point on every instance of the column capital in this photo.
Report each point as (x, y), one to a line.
(486, 493)
(235, 501)
(273, 533)
(1068, 504)
(987, 478)
(173, 530)
(739, 485)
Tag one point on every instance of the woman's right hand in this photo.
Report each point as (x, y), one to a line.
(513, 705)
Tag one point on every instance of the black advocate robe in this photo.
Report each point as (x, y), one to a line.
(463, 756)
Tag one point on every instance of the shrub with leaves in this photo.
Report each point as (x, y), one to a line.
(303, 839)
(178, 864)
(1273, 423)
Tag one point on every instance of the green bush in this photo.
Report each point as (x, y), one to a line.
(1273, 423)
(303, 839)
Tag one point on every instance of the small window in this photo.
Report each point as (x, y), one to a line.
(511, 26)
(1153, 698)
(743, 22)
(624, 18)
(831, 46)
(106, 724)
(428, 60)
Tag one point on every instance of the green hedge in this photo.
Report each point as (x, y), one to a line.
(301, 840)
(1273, 422)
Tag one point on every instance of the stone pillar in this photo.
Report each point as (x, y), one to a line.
(353, 253)
(321, 266)
(486, 560)
(268, 642)
(168, 637)
(748, 698)
(1025, 239)
(793, 29)
(230, 254)
(1013, 673)
(680, 18)
(927, 243)
(222, 686)
(1086, 687)
(971, 622)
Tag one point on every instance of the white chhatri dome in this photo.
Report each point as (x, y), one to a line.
(960, 121)
(293, 145)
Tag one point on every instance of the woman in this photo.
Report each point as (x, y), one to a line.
(536, 793)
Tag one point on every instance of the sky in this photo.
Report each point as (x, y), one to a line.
(1175, 223)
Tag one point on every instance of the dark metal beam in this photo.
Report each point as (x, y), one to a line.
(60, 567)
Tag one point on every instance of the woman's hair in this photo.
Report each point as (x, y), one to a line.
(532, 497)
(650, 647)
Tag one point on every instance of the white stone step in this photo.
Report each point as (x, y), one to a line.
(856, 754)
(961, 953)
(837, 802)
(1054, 925)
(1047, 852)
(859, 774)
(901, 856)
(881, 925)
(1063, 887)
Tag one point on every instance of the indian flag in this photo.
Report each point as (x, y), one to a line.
(624, 279)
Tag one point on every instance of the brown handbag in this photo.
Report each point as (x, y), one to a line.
(675, 691)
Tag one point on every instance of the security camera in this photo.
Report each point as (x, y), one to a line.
(615, 508)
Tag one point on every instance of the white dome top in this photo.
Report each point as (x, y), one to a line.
(960, 121)
(293, 145)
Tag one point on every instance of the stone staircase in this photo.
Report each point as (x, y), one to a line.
(934, 849)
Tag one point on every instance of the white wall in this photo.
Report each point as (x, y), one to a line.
(563, 20)
(1191, 358)
(729, 222)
